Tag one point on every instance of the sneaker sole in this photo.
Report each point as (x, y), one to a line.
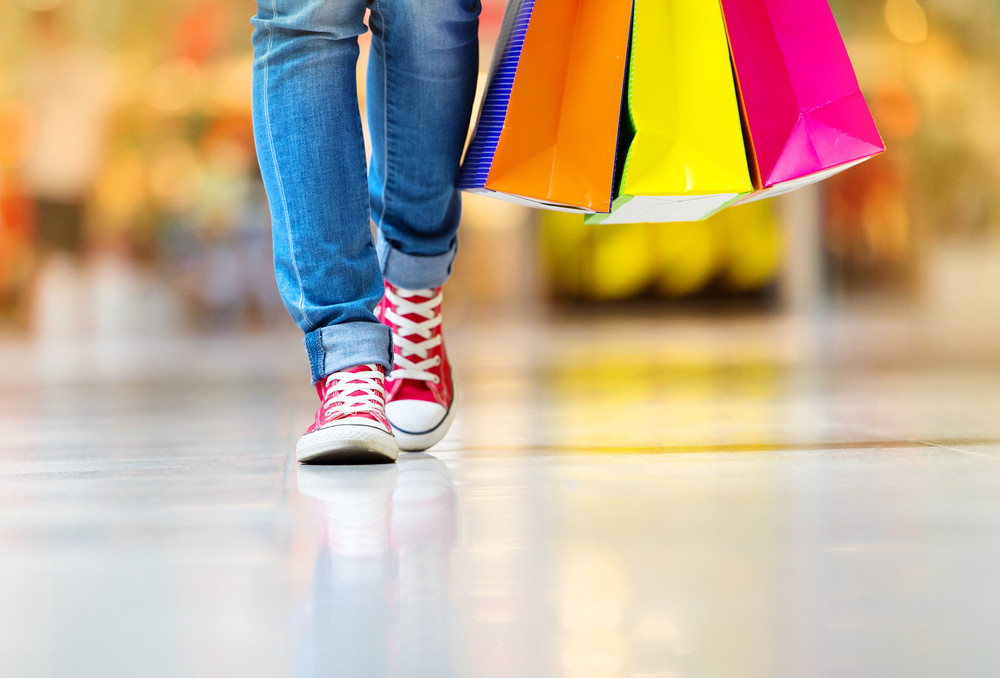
(347, 444)
(410, 441)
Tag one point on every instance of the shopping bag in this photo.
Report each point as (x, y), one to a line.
(803, 109)
(548, 125)
(686, 157)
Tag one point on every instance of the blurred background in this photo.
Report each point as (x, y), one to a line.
(131, 205)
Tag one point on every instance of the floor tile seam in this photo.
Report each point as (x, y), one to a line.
(960, 450)
(917, 441)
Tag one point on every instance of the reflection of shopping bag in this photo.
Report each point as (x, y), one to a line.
(547, 130)
(802, 106)
(687, 158)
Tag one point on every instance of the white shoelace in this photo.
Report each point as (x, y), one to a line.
(413, 361)
(354, 393)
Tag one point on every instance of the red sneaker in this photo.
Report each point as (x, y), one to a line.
(420, 394)
(350, 425)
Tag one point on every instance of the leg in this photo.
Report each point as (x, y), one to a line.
(307, 130)
(421, 85)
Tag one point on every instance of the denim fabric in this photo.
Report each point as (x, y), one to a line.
(420, 87)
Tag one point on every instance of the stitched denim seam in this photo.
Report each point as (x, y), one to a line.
(385, 114)
(274, 158)
(321, 351)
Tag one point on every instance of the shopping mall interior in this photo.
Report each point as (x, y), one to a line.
(763, 444)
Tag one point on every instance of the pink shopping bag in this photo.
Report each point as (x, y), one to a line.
(803, 109)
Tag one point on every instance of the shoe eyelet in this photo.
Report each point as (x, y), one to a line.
(437, 380)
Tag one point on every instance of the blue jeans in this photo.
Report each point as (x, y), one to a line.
(421, 83)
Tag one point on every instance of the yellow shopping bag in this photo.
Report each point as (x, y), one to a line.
(686, 157)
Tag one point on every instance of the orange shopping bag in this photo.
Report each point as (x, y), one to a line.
(548, 127)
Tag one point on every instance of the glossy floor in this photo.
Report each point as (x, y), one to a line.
(627, 498)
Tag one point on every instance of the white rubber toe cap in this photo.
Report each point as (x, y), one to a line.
(415, 416)
(347, 444)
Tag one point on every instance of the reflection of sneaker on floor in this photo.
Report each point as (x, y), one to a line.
(422, 534)
(356, 503)
(351, 425)
(381, 603)
(345, 628)
(423, 503)
(420, 393)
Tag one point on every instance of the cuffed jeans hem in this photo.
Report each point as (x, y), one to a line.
(337, 347)
(414, 271)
